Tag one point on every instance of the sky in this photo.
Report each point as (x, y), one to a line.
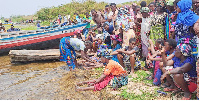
(29, 7)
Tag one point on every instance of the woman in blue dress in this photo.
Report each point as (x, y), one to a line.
(67, 50)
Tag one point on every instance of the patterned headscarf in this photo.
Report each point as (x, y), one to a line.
(170, 2)
(115, 37)
(185, 45)
(77, 31)
(104, 51)
(145, 10)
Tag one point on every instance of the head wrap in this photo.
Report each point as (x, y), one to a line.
(186, 16)
(115, 37)
(185, 45)
(158, 4)
(186, 49)
(145, 10)
(77, 31)
(100, 36)
(170, 2)
(104, 51)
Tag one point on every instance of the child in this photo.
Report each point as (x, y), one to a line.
(113, 71)
(170, 46)
(78, 34)
(129, 53)
(145, 29)
(152, 8)
(116, 45)
(154, 52)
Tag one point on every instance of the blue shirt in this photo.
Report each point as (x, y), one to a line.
(190, 60)
(111, 28)
(115, 56)
(14, 29)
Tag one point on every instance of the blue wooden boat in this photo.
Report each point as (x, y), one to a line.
(39, 39)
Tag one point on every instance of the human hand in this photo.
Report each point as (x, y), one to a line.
(196, 28)
(150, 41)
(119, 50)
(163, 50)
(163, 77)
(150, 58)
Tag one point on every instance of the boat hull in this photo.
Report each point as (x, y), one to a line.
(48, 40)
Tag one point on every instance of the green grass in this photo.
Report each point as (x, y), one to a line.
(45, 23)
(141, 76)
(132, 96)
(27, 27)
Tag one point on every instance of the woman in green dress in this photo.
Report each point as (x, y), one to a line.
(158, 24)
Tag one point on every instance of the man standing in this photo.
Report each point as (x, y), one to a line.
(98, 18)
(88, 19)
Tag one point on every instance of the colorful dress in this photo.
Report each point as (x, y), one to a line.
(120, 75)
(157, 27)
(67, 50)
(126, 58)
(115, 56)
(184, 22)
(191, 76)
(122, 20)
(137, 33)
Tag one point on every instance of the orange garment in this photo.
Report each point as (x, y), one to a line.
(114, 68)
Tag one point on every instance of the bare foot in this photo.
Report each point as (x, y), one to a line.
(86, 68)
(79, 83)
(77, 88)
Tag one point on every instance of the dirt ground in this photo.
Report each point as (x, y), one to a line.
(53, 81)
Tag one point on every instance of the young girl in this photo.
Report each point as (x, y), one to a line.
(129, 53)
(78, 34)
(145, 29)
(116, 45)
(113, 71)
(152, 8)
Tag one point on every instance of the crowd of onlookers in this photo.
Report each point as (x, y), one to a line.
(163, 34)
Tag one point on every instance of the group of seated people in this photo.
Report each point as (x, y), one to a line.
(165, 39)
(13, 29)
(2, 29)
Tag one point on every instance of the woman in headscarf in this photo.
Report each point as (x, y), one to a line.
(183, 69)
(67, 51)
(158, 24)
(113, 71)
(185, 20)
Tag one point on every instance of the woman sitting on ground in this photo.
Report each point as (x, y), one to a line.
(113, 71)
(183, 71)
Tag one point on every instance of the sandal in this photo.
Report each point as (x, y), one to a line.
(185, 98)
(169, 90)
(164, 85)
(149, 78)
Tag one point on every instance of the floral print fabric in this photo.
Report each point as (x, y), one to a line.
(157, 27)
(122, 20)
